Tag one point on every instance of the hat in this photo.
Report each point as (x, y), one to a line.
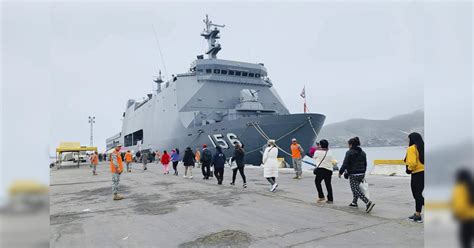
(118, 145)
(271, 142)
(293, 139)
(204, 146)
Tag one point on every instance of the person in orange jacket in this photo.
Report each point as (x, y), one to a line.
(297, 155)
(94, 162)
(128, 160)
(116, 167)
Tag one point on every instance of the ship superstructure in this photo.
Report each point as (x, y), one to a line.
(216, 102)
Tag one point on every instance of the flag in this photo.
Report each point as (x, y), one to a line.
(303, 93)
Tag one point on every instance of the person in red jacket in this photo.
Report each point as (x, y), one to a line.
(165, 161)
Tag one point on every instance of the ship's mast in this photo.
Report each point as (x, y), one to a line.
(211, 35)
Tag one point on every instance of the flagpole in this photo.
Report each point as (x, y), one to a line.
(304, 87)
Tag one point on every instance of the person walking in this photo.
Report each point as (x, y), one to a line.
(116, 167)
(270, 164)
(145, 159)
(206, 160)
(323, 170)
(94, 162)
(297, 155)
(415, 163)
(238, 158)
(218, 161)
(165, 161)
(197, 157)
(462, 205)
(152, 156)
(355, 165)
(175, 159)
(188, 161)
(128, 160)
(157, 157)
(138, 157)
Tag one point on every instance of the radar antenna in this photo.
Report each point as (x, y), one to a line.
(211, 35)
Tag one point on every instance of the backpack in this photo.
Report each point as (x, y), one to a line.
(207, 156)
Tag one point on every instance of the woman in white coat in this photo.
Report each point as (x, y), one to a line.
(270, 164)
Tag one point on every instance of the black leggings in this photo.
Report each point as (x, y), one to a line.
(271, 180)
(219, 172)
(175, 167)
(234, 174)
(466, 233)
(206, 170)
(326, 175)
(417, 186)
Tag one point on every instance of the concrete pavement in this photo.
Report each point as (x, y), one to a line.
(170, 211)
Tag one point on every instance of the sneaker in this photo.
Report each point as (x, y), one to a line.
(190, 177)
(418, 219)
(321, 200)
(117, 197)
(300, 177)
(329, 202)
(129, 170)
(232, 184)
(185, 176)
(370, 206)
(295, 177)
(245, 185)
(354, 205)
(412, 217)
(275, 186)
(145, 169)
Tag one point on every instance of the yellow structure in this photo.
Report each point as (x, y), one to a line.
(72, 147)
(27, 187)
(388, 162)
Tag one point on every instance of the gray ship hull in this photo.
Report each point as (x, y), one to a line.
(216, 102)
(282, 128)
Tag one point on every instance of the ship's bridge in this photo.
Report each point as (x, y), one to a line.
(231, 71)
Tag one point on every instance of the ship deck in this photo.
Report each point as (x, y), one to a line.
(169, 211)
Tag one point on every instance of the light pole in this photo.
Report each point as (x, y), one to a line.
(91, 121)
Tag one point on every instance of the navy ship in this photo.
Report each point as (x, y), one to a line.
(218, 103)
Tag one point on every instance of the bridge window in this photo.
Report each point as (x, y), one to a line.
(208, 70)
(224, 72)
(244, 73)
(257, 75)
(217, 71)
(251, 75)
(238, 73)
(128, 140)
(231, 72)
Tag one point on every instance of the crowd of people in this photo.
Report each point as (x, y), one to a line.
(353, 168)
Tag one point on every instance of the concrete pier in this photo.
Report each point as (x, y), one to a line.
(171, 211)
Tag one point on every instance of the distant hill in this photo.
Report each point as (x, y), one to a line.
(391, 132)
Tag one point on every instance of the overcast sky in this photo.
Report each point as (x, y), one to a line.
(64, 62)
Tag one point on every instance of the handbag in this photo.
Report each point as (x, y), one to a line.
(233, 164)
(315, 169)
(364, 188)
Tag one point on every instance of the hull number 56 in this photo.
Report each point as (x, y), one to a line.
(218, 139)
